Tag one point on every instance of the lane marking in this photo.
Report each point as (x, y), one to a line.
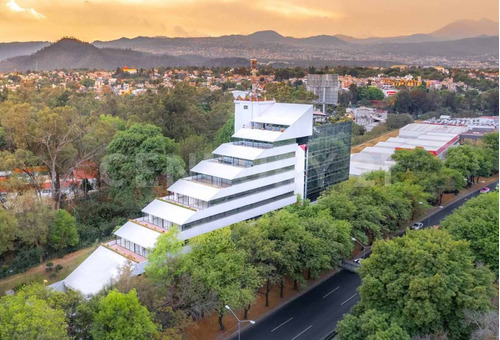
(348, 299)
(331, 292)
(282, 324)
(301, 333)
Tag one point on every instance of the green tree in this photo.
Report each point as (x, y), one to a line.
(121, 316)
(464, 159)
(397, 121)
(63, 232)
(370, 325)
(416, 160)
(261, 251)
(167, 246)
(477, 222)
(370, 93)
(217, 263)
(139, 156)
(333, 239)
(285, 93)
(61, 138)
(425, 281)
(8, 230)
(224, 134)
(24, 316)
(35, 216)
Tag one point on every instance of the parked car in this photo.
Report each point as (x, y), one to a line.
(484, 190)
(417, 226)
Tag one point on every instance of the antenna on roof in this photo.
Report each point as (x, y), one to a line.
(253, 71)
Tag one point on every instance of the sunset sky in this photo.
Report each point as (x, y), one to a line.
(89, 20)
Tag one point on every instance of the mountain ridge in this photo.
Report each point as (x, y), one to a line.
(143, 51)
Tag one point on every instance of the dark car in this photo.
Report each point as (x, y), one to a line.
(417, 226)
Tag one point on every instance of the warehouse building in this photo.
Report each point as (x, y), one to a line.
(435, 138)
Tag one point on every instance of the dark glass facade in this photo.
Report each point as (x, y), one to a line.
(329, 150)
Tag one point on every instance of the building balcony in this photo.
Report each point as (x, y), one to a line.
(183, 204)
(143, 223)
(112, 245)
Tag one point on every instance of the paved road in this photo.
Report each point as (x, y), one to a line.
(312, 315)
(315, 314)
(436, 218)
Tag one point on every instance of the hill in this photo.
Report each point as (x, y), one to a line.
(13, 49)
(72, 53)
(466, 29)
(470, 47)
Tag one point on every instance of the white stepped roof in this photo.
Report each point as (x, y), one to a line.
(168, 211)
(378, 150)
(99, 269)
(238, 151)
(282, 114)
(194, 189)
(258, 135)
(138, 234)
(216, 169)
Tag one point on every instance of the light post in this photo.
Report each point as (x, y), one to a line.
(361, 244)
(239, 321)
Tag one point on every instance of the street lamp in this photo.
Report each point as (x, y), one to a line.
(239, 321)
(362, 246)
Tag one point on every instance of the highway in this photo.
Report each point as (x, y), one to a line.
(315, 314)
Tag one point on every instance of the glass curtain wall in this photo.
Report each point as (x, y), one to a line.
(328, 157)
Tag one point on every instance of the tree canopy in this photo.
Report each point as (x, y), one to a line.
(477, 222)
(424, 281)
(25, 316)
(121, 316)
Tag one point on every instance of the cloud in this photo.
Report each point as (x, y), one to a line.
(291, 10)
(111, 19)
(14, 7)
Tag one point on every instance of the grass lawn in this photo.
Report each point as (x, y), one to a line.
(38, 274)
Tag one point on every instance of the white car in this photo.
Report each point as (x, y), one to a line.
(417, 226)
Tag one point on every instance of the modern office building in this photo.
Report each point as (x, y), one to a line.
(276, 155)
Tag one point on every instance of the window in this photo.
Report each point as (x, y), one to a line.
(250, 192)
(236, 211)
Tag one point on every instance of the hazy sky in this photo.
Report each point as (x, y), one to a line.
(89, 20)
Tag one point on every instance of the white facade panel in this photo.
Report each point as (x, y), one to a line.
(257, 183)
(216, 169)
(168, 211)
(278, 150)
(140, 235)
(303, 127)
(262, 168)
(245, 111)
(258, 135)
(300, 158)
(283, 114)
(245, 215)
(194, 189)
(240, 202)
(238, 151)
